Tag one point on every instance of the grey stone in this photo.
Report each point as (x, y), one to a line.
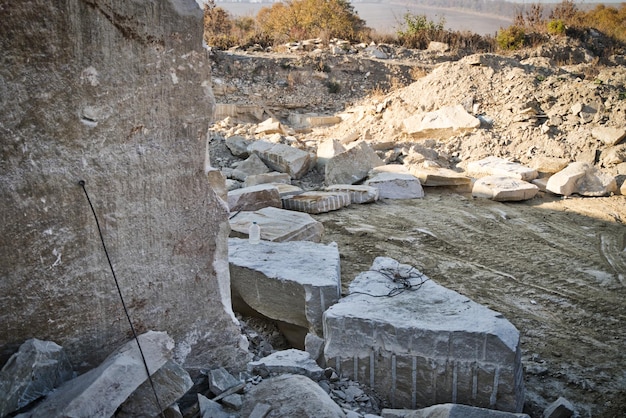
(326, 150)
(270, 126)
(494, 166)
(314, 345)
(317, 201)
(171, 382)
(142, 155)
(238, 146)
(438, 46)
(211, 409)
(358, 193)
(613, 155)
(234, 401)
(444, 121)
(250, 166)
(290, 361)
(290, 396)
(608, 135)
(413, 347)
(267, 178)
(549, 165)
(352, 165)
(283, 158)
(31, 373)
(438, 176)
(396, 185)
(278, 225)
(294, 282)
(449, 410)
(561, 408)
(220, 380)
(99, 392)
(254, 198)
(260, 410)
(504, 189)
(582, 179)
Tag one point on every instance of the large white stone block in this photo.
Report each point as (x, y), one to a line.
(494, 166)
(278, 225)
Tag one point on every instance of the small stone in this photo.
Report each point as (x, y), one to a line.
(561, 408)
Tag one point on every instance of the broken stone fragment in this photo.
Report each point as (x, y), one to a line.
(396, 185)
(290, 361)
(494, 166)
(504, 189)
(283, 158)
(582, 179)
(352, 165)
(220, 381)
(608, 135)
(317, 201)
(414, 341)
(250, 166)
(270, 126)
(100, 391)
(266, 178)
(326, 150)
(444, 121)
(548, 165)
(254, 198)
(31, 373)
(290, 396)
(211, 409)
(358, 193)
(238, 146)
(561, 408)
(278, 225)
(432, 176)
(293, 282)
(450, 410)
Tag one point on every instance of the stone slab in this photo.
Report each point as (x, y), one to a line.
(326, 150)
(423, 346)
(352, 165)
(504, 189)
(358, 193)
(316, 201)
(248, 167)
(267, 178)
(288, 361)
(278, 225)
(494, 166)
(254, 198)
(609, 135)
(283, 158)
(293, 282)
(582, 179)
(433, 176)
(396, 185)
(450, 410)
(442, 121)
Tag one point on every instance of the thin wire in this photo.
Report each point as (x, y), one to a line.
(81, 183)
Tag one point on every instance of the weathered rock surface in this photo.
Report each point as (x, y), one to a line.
(290, 396)
(440, 122)
(112, 94)
(282, 158)
(352, 165)
(250, 166)
(326, 150)
(100, 391)
(254, 198)
(278, 225)
(358, 193)
(418, 343)
(290, 361)
(504, 189)
(494, 166)
(293, 282)
(211, 409)
(317, 201)
(450, 411)
(561, 408)
(433, 177)
(609, 136)
(267, 178)
(36, 369)
(396, 185)
(583, 179)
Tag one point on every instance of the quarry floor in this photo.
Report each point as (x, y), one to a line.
(555, 267)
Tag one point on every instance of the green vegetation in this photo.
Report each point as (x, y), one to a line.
(511, 38)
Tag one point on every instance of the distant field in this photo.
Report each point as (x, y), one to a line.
(386, 18)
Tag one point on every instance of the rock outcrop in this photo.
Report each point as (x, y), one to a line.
(117, 94)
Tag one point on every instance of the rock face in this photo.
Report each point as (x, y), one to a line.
(418, 343)
(117, 94)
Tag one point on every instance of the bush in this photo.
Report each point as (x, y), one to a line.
(556, 27)
(511, 38)
(418, 23)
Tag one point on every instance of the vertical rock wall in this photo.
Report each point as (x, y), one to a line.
(116, 93)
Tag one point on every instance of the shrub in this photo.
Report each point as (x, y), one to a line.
(414, 24)
(556, 27)
(511, 38)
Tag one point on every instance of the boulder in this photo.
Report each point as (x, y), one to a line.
(503, 189)
(352, 165)
(289, 396)
(290, 361)
(444, 121)
(317, 201)
(608, 135)
(582, 179)
(434, 176)
(326, 150)
(613, 155)
(220, 380)
(171, 382)
(250, 166)
(396, 185)
(278, 225)
(270, 126)
(238, 146)
(283, 158)
(254, 198)
(100, 391)
(358, 193)
(414, 342)
(450, 410)
(267, 178)
(548, 165)
(494, 166)
(31, 373)
(211, 409)
(293, 282)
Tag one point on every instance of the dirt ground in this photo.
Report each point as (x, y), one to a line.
(556, 268)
